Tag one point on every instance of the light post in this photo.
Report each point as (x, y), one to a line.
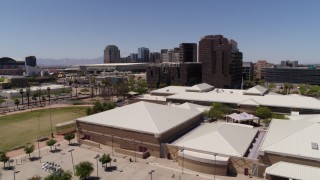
(215, 164)
(14, 174)
(97, 158)
(182, 159)
(112, 144)
(152, 171)
(134, 150)
(72, 159)
(39, 149)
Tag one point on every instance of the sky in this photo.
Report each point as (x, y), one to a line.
(273, 30)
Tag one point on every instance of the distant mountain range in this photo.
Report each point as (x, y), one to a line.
(67, 61)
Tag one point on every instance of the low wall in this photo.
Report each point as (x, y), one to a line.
(142, 155)
(89, 143)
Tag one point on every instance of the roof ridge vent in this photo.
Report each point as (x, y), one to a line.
(314, 146)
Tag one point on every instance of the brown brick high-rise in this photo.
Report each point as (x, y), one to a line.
(221, 62)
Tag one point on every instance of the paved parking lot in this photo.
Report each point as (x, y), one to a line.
(163, 169)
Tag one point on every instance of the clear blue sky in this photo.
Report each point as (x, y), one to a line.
(274, 30)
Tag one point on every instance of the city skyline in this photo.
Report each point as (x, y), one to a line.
(273, 30)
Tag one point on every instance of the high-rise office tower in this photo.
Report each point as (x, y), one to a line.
(31, 61)
(111, 54)
(133, 57)
(143, 54)
(170, 55)
(221, 61)
(188, 52)
(155, 57)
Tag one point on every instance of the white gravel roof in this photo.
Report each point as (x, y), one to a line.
(142, 117)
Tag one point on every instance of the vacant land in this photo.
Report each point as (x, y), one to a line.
(19, 129)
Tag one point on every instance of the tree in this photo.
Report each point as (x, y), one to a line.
(36, 177)
(98, 107)
(84, 169)
(271, 86)
(4, 158)
(218, 111)
(28, 95)
(34, 97)
(314, 90)
(2, 101)
(29, 149)
(43, 98)
(106, 84)
(60, 175)
(104, 159)
(263, 113)
(21, 93)
(302, 89)
(69, 137)
(50, 143)
(16, 102)
(48, 90)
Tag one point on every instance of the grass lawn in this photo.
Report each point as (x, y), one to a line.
(19, 129)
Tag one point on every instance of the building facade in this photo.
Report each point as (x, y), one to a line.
(247, 71)
(155, 57)
(188, 52)
(171, 55)
(174, 74)
(259, 68)
(298, 75)
(143, 54)
(111, 54)
(221, 61)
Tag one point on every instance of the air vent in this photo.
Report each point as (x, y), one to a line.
(314, 146)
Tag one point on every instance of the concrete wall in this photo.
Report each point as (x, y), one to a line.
(203, 167)
(123, 139)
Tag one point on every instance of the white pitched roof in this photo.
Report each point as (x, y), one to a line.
(256, 90)
(221, 138)
(292, 138)
(170, 90)
(142, 117)
(293, 171)
(286, 101)
(191, 106)
(203, 87)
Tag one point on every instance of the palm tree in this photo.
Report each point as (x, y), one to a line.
(28, 95)
(17, 102)
(48, 90)
(21, 92)
(70, 84)
(105, 84)
(2, 101)
(34, 97)
(99, 86)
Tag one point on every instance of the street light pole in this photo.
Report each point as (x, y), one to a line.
(14, 174)
(215, 164)
(97, 158)
(112, 144)
(182, 158)
(152, 171)
(39, 149)
(72, 159)
(134, 150)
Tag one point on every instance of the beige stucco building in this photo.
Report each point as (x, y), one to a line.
(140, 129)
